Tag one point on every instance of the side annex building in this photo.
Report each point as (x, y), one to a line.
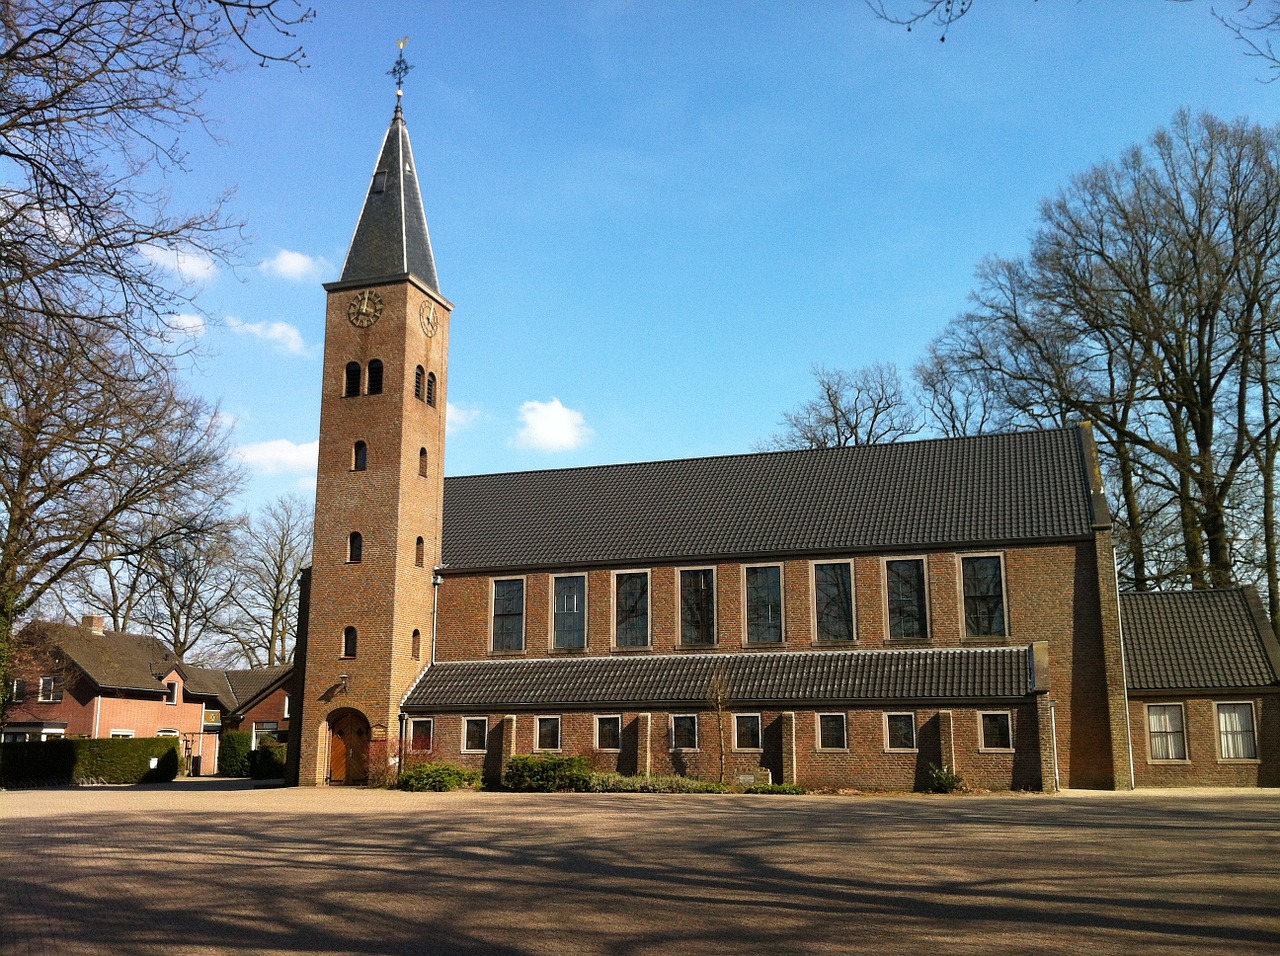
(840, 618)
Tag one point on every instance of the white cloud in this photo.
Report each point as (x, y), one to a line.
(191, 266)
(279, 456)
(549, 426)
(284, 336)
(187, 324)
(457, 417)
(287, 264)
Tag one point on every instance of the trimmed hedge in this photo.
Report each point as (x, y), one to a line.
(267, 762)
(233, 753)
(437, 778)
(75, 760)
(547, 773)
(617, 783)
(791, 789)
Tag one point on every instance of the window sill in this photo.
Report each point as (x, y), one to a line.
(996, 750)
(507, 653)
(1246, 761)
(568, 650)
(831, 750)
(608, 750)
(631, 650)
(748, 750)
(764, 646)
(834, 645)
(913, 750)
(686, 750)
(697, 647)
(906, 641)
(1168, 763)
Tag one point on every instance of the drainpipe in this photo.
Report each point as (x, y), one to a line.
(400, 755)
(1124, 678)
(1053, 730)
(436, 581)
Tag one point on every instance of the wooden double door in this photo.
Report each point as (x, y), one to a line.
(348, 748)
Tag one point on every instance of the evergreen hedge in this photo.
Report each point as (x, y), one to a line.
(437, 778)
(267, 762)
(548, 773)
(76, 760)
(233, 753)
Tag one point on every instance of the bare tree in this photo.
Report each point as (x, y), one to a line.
(271, 551)
(860, 407)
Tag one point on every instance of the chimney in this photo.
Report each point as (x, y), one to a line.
(94, 623)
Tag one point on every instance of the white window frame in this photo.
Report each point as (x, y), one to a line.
(759, 733)
(586, 611)
(256, 735)
(813, 602)
(121, 734)
(53, 732)
(54, 685)
(618, 718)
(1186, 738)
(982, 737)
(715, 606)
(462, 744)
(1217, 718)
(171, 693)
(782, 606)
(285, 715)
(537, 733)
(613, 610)
(16, 685)
(1004, 594)
(817, 732)
(884, 598)
(524, 613)
(697, 739)
(431, 734)
(915, 732)
(167, 732)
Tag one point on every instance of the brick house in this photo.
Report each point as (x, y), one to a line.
(842, 617)
(85, 681)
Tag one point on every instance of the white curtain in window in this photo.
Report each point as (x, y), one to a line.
(1235, 731)
(1167, 741)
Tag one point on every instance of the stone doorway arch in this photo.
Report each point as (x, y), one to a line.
(348, 748)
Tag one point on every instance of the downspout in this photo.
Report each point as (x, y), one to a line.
(1053, 730)
(1124, 677)
(97, 711)
(436, 581)
(400, 755)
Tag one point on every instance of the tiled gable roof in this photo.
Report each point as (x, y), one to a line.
(248, 684)
(116, 659)
(986, 489)
(756, 678)
(1192, 640)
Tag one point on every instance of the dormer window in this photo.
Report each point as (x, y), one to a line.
(171, 696)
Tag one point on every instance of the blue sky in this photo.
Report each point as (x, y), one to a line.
(653, 217)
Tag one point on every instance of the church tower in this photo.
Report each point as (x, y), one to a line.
(380, 481)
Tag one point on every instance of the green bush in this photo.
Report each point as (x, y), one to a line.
(438, 777)
(617, 783)
(267, 762)
(548, 773)
(75, 760)
(944, 780)
(233, 753)
(793, 789)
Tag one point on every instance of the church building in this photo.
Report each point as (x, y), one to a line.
(844, 618)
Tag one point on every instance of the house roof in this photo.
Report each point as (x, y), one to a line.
(985, 490)
(756, 678)
(1198, 640)
(391, 238)
(249, 684)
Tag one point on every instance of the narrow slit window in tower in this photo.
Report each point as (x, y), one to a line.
(418, 376)
(355, 547)
(419, 552)
(352, 381)
(360, 457)
(349, 642)
(375, 377)
(422, 462)
(431, 389)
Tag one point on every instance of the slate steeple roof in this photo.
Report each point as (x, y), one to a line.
(391, 238)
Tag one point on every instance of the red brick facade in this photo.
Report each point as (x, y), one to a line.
(1203, 763)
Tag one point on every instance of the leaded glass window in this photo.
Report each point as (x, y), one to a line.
(764, 605)
(697, 606)
(631, 609)
(983, 596)
(908, 615)
(833, 601)
(569, 626)
(508, 615)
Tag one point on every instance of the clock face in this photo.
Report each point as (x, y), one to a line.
(427, 318)
(365, 309)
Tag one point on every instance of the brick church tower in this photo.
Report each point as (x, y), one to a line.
(380, 482)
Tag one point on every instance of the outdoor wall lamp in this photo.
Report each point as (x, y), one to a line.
(344, 678)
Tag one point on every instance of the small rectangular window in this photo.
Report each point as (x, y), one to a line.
(168, 732)
(548, 731)
(569, 622)
(264, 730)
(508, 615)
(609, 732)
(475, 734)
(900, 731)
(746, 732)
(831, 732)
(631, 609)
(422, 734)
(983, 596)
(684, 732)
(171, 695)
(697, 606)
(1165, 732)
(764, 605)
(17, 691)
(908, 605)
(121, 734)
(50, 690)
(997, 730)
(1236, 739)
(833, 601)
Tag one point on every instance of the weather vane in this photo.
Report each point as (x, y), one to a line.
(400, 68)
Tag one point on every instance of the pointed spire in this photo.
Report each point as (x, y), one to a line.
(391, 238)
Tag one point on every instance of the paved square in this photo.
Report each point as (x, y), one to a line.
(212, 867)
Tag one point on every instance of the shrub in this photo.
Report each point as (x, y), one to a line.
(617, 783)
(548, 773)
(438, 777)
(793, 789)
(267, 762)
(944, 779)
(52, 762)
(233, 753)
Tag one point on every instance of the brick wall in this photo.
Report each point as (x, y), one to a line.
(1203, 766)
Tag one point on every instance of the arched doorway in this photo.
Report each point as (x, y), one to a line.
(348, 748)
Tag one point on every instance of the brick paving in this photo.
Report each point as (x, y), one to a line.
(217, 867)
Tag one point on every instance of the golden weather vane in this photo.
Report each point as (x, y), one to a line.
(401, 68)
